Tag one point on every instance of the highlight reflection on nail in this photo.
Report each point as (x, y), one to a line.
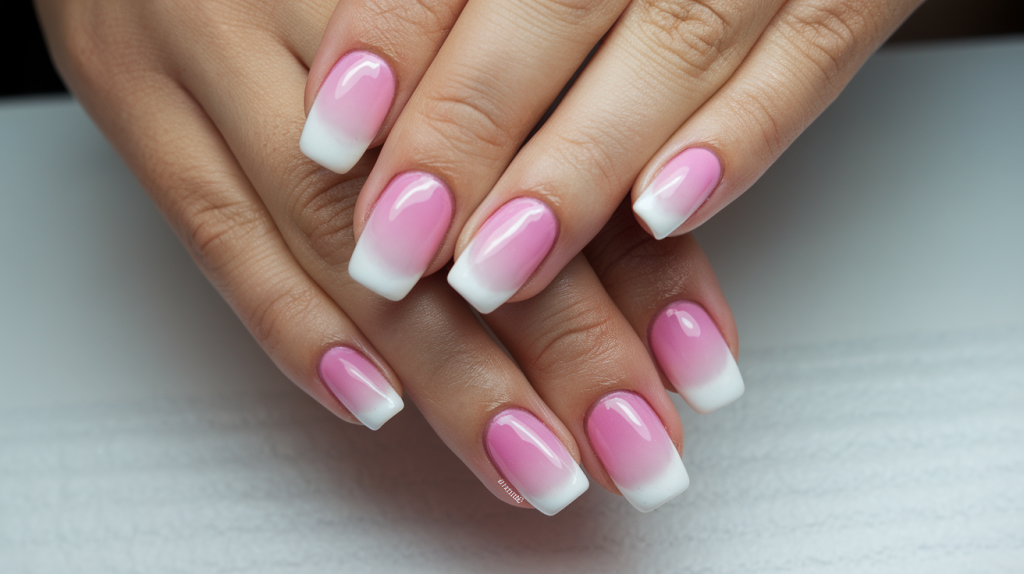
(504, 253)
(359, 386)
(348, 111)
(685, 182)
(402, 235)
(534, 461)
(635, 449)
(694, 357)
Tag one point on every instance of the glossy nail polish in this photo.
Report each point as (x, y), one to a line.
(402, 235)
(693, 355)
(359, 386)
(685, 182)
(635, 449)
(348, 111)
(505, 253)
(534, 461)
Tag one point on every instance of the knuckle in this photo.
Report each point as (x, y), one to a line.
(322, 211)
(281, 300)
(465, 115)
(576, 334)
(390, 19)
(692, 35)
(757, 113)
(571, 12)
(593, 152)
(216, 230)
(827, 34)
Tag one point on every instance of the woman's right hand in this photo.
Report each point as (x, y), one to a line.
(204, 100)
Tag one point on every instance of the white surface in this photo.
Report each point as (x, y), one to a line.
(876, 275)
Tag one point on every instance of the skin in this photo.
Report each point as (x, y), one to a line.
(741, 78)
(203, 99)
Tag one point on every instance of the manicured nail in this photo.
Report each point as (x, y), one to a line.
(359, 386)
(404, 232)
(534, 461)
(504, 253)
(694, 356)
(635, 449)
(348, 111)
(678, 190)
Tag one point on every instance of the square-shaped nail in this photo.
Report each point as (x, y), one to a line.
(402, 235)
(693, 355)
(685, 182)
(534, 461)
(635, 449)
(348, 111)
(504, 253)
(359, 386)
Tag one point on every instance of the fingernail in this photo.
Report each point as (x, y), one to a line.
(359, 386)
(635, 449)
(678, 190)
(504, 253)
(348, 111)
(404, 232)
(534, 461)
(693, 355)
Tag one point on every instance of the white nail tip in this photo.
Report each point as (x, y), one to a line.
(718, 392)
(660, 221)
(670, 483)
(553, 502)
(371, 272)
(329, 147)
(464, 279)
(375, 417)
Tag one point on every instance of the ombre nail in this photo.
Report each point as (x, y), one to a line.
(534, 461)
(693, 355)
(402, 235)
(348, 111)
(685, 182)
(635, 449)
(505, 253)
(359, 386)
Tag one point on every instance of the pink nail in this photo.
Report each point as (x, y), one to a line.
(534, 461)
(359, 386)
(635, 449)
(694, 356)
(403, 234)
(505, 253)
(348, 111)
(678, 190)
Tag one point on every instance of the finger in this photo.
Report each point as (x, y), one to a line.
(804, 59)
(497, 73)
(450, 367)
(658, 65)
(589, 366)
(372, 55)
(212, 206)
(682, 316)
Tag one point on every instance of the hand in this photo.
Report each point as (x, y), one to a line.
(203, 99)
(687, 101)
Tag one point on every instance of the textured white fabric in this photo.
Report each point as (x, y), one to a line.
(141, 429)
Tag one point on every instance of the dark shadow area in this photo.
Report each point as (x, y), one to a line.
(29, 71)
